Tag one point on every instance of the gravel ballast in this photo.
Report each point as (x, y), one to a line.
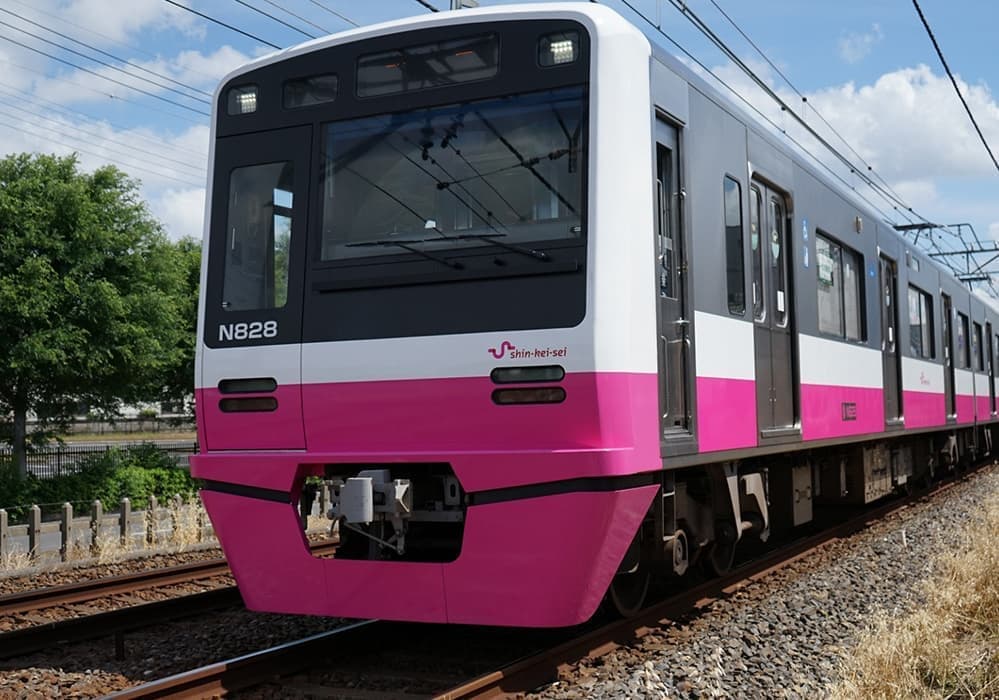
(785, 635)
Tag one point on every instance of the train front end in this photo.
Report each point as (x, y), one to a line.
(427, 285)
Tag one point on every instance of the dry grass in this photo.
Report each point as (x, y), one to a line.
(950, 647)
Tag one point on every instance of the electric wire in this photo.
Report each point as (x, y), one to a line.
(42, 103)
(221, 23)
(105, 37)
(953, 82)
(142, 105)
(132, 147)
(49, 140)
(276, 19)
(428, 5)
(104, 77)
(106, 53)
(701, 26)
(298, 17)
(103, 63)
(759, 112)
(804, 99)
(333, 12)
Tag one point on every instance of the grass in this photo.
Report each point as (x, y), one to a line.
(179, 526)
(949, 648)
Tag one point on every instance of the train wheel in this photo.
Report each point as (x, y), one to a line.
(721, 553)
(628, 591)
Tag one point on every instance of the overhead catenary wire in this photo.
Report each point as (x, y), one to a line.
(48, 139)
(298, 17)
(333, 12)
(41, 102)
(276, 19)
(221, 23)
(184, 117)
(428, 5)
(105, 37)
(104, 77)
(106, 53)
(804, 99)
(200, 170)
(822, 164)
(113, 67)
(953, 82)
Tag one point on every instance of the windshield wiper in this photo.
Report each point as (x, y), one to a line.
(404, 245)
(531, 252)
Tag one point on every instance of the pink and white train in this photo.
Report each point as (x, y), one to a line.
(548, 315)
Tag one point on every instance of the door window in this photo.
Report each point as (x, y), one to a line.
(258, 237)
(756, 253)
(735, 266)
(778, 262)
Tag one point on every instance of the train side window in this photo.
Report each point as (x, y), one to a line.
(735, 267)
(963, 348)
(756, 253)
(920, 323)
(977, 345)
(840, 290)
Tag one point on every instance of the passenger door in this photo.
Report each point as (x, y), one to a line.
(772, 313)
(948, 351)
(675, 366)
(990, 366)
(889, 342)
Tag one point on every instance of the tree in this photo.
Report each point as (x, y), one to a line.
(88, 291)
(178, 381)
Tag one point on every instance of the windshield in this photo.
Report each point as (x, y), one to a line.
(505, 169)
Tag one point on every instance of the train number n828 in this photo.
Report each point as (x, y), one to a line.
(253, 330)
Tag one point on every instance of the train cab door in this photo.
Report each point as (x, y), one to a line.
(948, 353)
(251, 366)
(889, 342)
(772, 313)
(675, 365)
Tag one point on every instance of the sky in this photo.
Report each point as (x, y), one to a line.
(867, 67)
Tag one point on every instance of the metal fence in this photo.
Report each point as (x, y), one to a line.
(68, 458)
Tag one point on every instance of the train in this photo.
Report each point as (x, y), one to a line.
(550, 317)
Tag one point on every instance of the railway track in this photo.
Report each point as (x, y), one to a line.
(534, 657)
(129, 616)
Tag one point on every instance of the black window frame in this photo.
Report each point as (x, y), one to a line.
(735, 257)
(925, 322)
(861, 306)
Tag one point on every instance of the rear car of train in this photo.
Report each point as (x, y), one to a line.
(429, 249)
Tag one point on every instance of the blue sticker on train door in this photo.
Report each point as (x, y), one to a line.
(804, 240)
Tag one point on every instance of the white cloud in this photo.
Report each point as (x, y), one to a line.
(182, 212)
(854, 47)
(120, 21)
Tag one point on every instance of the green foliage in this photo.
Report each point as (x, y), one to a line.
(135, 472)
(93, 298)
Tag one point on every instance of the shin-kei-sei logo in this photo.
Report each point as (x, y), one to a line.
(504, 346)
(923, 380)
(508, 349)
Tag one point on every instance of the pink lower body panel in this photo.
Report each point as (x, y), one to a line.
(983, 406)
(726, 414)
(836, 411)
(534, 562)
(923, 409)
(965, 406)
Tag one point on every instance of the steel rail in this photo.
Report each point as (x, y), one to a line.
(99, 588)
(114, 622)
(83, 591)
(217, 679)
(534, 671)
